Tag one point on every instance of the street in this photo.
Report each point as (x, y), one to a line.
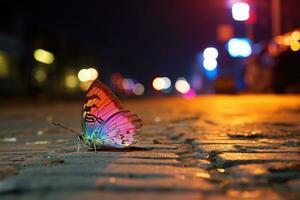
(209, 147)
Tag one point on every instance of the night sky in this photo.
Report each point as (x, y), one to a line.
(141, 38)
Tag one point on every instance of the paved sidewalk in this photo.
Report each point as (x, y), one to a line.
(211, 147)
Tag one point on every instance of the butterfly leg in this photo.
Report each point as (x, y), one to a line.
(78, 147)
(95, 147)
(78, 144)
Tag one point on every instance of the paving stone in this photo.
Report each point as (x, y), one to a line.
(135, 161)
(229, 159)
(211, 147)
(204, 164)
(294, 185)
(157, 146)
(180, 183)
(225, 142)
(163, 170)
(248, 169)
(104, 195)
(27, 184)
(153, 155)
(253, 194)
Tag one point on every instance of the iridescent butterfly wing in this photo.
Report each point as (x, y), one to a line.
(105, 122)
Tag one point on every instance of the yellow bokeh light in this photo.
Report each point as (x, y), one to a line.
(71, 81)
(158, 83)
(182, 86)
(89, 74)
(295, 46)
(40, 75)
(161, 83)
(84, 75)
(4, 65)
(93, 74)
(295, 35)
(43, 56)
(287, 40)
(279, 39)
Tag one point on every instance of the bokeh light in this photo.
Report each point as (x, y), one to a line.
(40, 75)
(239, 47)
(182, 85)
(211, 74)
(287, 40)
(158, 83)
(71, 81)
(190, 94)
(240, 11)
(295, 46)
(295, 35)
(115, 78)
(210, 53)
(89, 74)
(43, 56)
(138, 89)
(127, 84)
(84, 75)
(279, 40)
(4, 65)
(161, 83)
(210, 64)
(167, 83)
(93, 74)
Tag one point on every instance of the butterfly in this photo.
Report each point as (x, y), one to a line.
(105, 122)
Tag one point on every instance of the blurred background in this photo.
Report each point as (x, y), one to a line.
(140, 48)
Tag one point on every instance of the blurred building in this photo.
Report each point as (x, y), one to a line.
(276, 68)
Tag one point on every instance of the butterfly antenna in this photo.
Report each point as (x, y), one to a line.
(66, 128)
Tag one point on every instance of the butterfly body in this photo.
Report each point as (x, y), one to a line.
(105, 122)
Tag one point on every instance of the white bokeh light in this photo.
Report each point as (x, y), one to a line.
(161, 83)
(167, 83)
(210, 64)
(210, 53)
(138, 89)
(182, 85)
(240, 11)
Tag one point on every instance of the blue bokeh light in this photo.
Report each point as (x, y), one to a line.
(239, 47)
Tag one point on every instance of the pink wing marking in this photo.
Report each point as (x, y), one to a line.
(121, 128)
(99, 105)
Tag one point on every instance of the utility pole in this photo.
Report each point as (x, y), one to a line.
(276, 17)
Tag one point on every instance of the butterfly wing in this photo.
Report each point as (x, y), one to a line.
(99, 105)
(120, 129)
(104, 121)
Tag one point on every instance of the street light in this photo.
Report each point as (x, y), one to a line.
(210, 64)
(89, 74)
(161, 83)
(182, 85)
(240, 11)
(43, 56)
(210, 55)
(239, 47)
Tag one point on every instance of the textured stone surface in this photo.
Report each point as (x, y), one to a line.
(212, 147)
